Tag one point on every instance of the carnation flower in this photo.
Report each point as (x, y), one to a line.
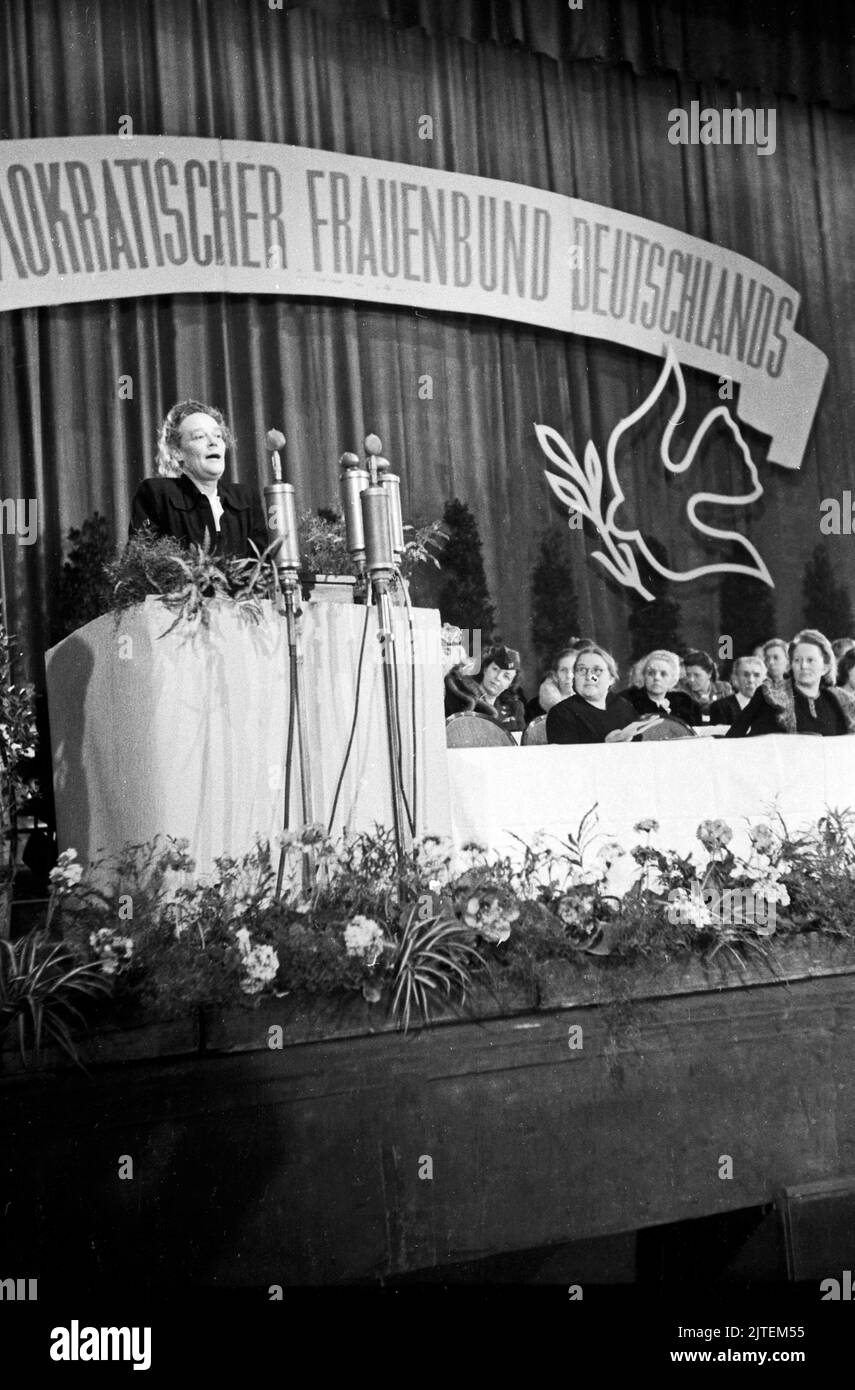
(714, 834)
(575, 912)
(646, 827)
(486, 914)
(763, 838)
(259, 963)
(363, 937)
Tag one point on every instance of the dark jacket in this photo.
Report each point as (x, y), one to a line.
(176, 507)
(682, 706)
(772, 710)
(725, 711)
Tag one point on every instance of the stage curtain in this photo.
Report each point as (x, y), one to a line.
(802, 48)
(328, 372)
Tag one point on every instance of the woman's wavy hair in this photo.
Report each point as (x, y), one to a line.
(816, 639)
(169, 438)
(669, 658)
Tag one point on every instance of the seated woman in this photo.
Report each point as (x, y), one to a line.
(774, 653)
(701, 681)
(748, 673)
(592, 714)
(554, 688)
(807, 703)
(188, 500)
(660, 672)
(846, 671)
(556, 685)
(491, 692)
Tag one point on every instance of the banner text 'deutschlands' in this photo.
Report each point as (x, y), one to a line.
(108, 217)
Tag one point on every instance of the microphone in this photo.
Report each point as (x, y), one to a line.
(280, 506)
(274, 440)
(353, 480)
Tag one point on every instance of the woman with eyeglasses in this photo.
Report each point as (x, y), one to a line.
(592, 714)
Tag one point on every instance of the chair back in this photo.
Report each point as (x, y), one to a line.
(469, 730)
(535, 732)
(671, 727)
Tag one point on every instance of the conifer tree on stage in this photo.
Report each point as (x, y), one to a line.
(654, 624)
(827, 605)
(464, 598)
(746, 613)
(554, 604)
(84, 590)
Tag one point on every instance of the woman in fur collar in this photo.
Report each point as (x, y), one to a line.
(806, 703)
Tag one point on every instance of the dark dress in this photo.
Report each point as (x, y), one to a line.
(682, 706)
(824, 715)
(576, 720)
(175, 507)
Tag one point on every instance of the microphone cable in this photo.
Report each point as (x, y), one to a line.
(347, 752)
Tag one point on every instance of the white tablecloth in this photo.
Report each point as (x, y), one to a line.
(497, 793)
(186, 736)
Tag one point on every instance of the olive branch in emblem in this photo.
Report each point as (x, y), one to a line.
(596, 493)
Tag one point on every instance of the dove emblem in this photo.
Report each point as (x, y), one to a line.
(596, 493)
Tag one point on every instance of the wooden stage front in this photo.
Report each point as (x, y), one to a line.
(309, 1164)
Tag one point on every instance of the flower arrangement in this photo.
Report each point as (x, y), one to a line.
(433, 928)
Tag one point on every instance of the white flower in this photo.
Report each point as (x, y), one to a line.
(260, 963)
(364, 937)
(67, 874)
(114, 950)
(691, 911)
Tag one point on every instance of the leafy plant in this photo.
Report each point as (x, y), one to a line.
(40, 987)
(187, 579)
(323, 542)
(435, 953)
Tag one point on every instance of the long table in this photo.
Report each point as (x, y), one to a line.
(500, 793)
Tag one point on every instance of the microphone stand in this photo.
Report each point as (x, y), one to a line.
(282, 529)
(372, 536)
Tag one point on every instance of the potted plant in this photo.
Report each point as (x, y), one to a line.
(17, 741)
(327, 567)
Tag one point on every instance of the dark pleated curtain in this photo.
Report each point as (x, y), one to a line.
(327, 372)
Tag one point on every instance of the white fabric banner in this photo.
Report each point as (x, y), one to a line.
(107, 217)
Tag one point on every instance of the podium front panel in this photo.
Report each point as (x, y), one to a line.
(184, 732)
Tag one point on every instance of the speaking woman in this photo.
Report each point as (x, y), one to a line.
(189, 500)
